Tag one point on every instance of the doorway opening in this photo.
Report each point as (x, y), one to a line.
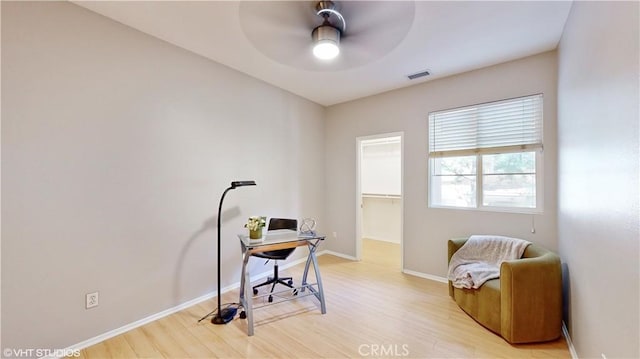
(379, 201)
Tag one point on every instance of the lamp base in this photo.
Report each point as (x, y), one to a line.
(224, 316)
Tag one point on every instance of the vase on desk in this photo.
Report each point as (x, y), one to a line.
(257, 234)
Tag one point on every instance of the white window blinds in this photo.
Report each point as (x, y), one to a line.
(503, 126)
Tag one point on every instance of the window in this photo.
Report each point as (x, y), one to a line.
(487, 156)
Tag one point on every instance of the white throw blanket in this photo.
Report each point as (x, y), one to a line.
(479, 259)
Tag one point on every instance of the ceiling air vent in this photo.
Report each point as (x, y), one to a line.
(419, 74)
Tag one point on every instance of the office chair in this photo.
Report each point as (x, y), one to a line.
(281, 254)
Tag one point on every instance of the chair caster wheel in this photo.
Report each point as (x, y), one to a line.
(290, 282)
(295, 292)
(243, 315)
(255, 291)
(270, 298)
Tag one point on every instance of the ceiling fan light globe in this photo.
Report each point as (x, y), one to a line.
(326, 42)
(326, 50)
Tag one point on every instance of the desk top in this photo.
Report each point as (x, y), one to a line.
(278, 236)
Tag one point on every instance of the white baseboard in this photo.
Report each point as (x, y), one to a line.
(425, 276)
(112, 333)
(567, 337)
(406, 271)
(337, 254)
(138, 323)
(125, 328)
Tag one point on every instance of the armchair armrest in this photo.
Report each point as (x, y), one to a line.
(452, 246)
(531, 298)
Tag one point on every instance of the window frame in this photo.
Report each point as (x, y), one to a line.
(538, 209)
(479, 176)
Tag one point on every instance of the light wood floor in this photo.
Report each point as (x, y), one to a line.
(381, 253)
(373, 310)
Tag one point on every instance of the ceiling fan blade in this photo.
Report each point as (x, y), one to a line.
(281, 30)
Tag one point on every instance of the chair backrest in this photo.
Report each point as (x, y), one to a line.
(279, 223)
(282, 223)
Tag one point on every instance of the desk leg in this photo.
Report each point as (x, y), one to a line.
(246, 298)
(313, 259)
(312, 249)
(244, 270)
(323, 307)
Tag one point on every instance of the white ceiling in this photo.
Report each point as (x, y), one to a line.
(445, 37)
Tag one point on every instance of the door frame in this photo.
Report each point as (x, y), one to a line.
(359, 141)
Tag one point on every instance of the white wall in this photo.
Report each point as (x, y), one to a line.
(381, 167)
(116, 147)
(382, 218)
(598, 177)
(427, 230)
(381, 185)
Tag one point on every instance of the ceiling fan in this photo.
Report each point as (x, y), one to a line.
(326, 37)
(313, 35)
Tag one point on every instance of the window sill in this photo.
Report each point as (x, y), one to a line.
(492, 209)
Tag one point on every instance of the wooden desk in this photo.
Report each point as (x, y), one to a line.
(274, 240)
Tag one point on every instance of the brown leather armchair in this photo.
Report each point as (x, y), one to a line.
(524, 305)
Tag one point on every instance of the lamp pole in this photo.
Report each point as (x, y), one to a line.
(226, 315)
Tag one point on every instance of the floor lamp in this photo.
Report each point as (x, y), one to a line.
(226, 315)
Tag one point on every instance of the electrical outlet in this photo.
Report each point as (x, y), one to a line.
(92, 300)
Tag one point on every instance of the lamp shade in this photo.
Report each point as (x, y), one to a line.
(326, 42)
(235, 184)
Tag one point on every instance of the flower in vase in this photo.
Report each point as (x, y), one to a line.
(256, 222)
